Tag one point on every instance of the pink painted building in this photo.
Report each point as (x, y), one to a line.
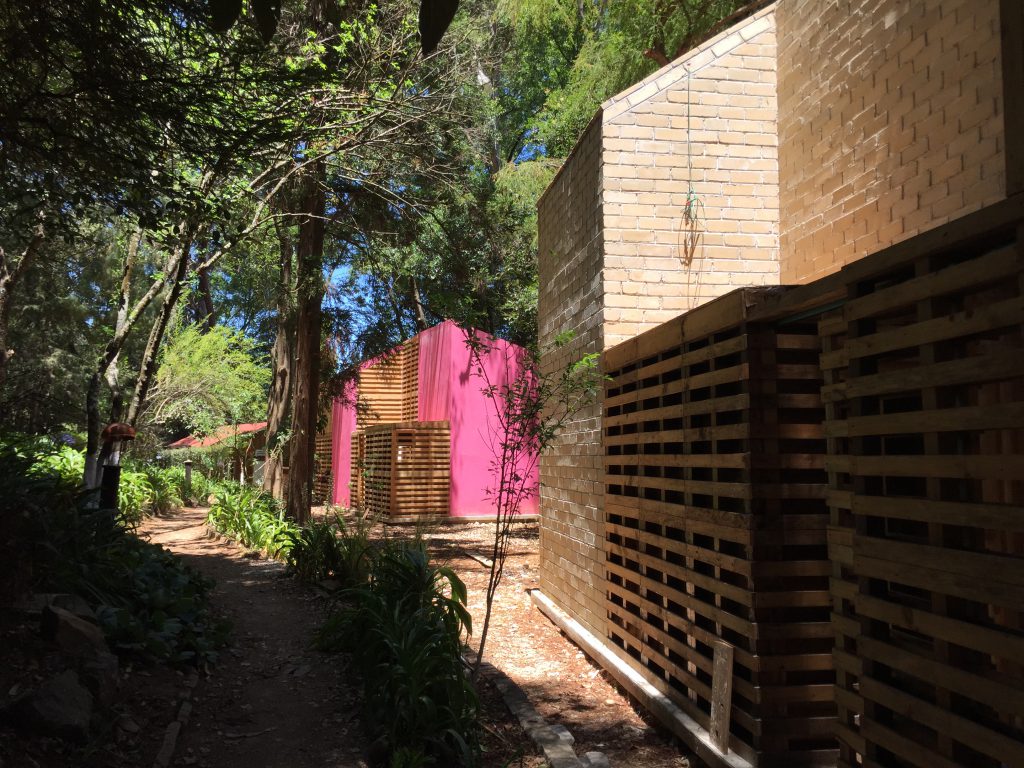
(417, 433)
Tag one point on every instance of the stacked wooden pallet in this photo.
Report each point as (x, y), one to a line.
(407, 469)
(716, 525)
(927, 498)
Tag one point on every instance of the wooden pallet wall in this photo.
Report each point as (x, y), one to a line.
(411, 379)
(408, 469)
(381, 392)
(357, 484)
(716, 523)
(925, 397)
(323, 477)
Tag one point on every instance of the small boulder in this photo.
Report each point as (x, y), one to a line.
(76, 605)
(59, 707)
(72, 634)
(100, 675)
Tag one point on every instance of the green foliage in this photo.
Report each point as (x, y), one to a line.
(331, 549)
(208, 379)
(406, 629)
(149, 603)
(196, 494)
(253, 518)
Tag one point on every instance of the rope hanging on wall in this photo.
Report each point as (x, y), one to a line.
(693, 209)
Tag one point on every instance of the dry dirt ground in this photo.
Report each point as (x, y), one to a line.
(274, 702)
(561, 682)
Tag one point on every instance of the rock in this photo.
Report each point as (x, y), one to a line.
(60, 707)
(100, 675)
(563, 733)
(75, 605)
(72, 634)
(126, 724)
(595, 760)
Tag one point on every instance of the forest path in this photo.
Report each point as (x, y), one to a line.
(272, 701)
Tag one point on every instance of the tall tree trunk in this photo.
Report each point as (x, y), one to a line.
(309, 300)
(279, 402)
(107, 366)
(9, 276)
(148, 366)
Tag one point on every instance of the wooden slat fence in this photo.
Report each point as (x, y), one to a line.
(716, 522)
(925, 423)
(407, 469)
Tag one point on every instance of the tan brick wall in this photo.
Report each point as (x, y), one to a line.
(570, 263)
(890, 123)
(708, 123)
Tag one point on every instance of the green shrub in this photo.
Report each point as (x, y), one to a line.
(254, 518)
(405, 630)
(330, 548)
(164, 492)
(148, 602)
(198, 491)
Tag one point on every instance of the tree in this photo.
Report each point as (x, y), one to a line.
(531, 408)
(207, 378)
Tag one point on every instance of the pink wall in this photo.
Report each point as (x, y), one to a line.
(343, 424)
(451, 389)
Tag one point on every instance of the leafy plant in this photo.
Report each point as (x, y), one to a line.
(254, 518)
(406, 629)
(331, 548)
(149, 603)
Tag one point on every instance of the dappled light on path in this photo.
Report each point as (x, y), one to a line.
(271, 701)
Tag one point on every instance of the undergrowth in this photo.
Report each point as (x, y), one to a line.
(406, 628)
(148, 602)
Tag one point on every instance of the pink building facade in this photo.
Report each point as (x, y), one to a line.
(452, 381)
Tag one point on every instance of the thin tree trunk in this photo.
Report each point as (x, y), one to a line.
(107, 364)
(279, 401)
(9, 276)
(310, 283)
(148, 366)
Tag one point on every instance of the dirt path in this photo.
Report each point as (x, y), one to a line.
(271, 701)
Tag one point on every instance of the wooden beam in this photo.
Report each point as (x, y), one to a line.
(1011, 29)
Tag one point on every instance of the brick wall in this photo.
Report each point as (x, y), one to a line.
(570, 263)
(707, 122)
(890, 123)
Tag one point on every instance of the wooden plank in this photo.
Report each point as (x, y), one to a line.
(974, 515)
(721, 695)
(952, 326)
(985, 639)
(967, 467)
(995, 693)
(987, 268)
(978, 417)
(993, 366)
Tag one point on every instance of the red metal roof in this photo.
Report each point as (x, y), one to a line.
(218, 435)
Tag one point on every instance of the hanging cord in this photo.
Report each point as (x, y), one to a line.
(693, 208)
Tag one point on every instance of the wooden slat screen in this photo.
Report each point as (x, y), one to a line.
(926, 424)
(716, 522)
(408, 469)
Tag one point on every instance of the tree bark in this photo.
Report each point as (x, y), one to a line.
(310, 294)
(279, 401)
(177, 277)
(107, 366)
(9, 276)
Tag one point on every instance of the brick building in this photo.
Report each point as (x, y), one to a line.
(805, 137)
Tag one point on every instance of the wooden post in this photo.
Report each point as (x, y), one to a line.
(1011, 27)
(721, 695)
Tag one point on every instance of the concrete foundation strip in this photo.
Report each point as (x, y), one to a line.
(654, 701)
(554, 741)
(166, 753)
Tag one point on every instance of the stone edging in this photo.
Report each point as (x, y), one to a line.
(554, 741)
(166, 753)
